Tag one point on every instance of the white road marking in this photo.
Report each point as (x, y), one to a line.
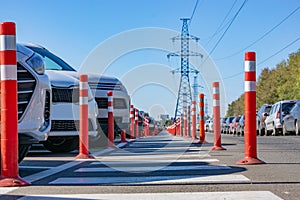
(141, 161)
(152, 180)
(151, 168)
(5, 190)
(34, 167)
(249, 195)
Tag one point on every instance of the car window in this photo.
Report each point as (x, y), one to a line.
(286, 107)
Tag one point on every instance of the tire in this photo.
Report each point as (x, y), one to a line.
(267, 133)
(23, 150)
(261, 132)
(61, 144)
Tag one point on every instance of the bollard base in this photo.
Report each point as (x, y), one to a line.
(203, 142)
(13, 182)
(216, 148)
(250, 161)
(84, 156)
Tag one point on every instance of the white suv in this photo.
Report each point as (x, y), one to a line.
(64, 132)
(34, 97)
(99, 85)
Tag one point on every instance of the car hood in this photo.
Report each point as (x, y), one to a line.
(62, 79)
(94, 78)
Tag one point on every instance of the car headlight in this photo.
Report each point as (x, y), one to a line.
(37, 63)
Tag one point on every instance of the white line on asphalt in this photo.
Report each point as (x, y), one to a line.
(5, 190)
(34, 167)
(152, 168)
(134, 162)
(249, 195)
(152, 180)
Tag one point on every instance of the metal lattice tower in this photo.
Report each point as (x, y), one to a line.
(184, 97)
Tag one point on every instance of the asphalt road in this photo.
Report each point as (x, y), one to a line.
(165, 167)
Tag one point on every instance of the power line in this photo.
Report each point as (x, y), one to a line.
(235, 16)
(194, 10)
(278, 51)
(220, 26)
(263, 36)
(263, 61)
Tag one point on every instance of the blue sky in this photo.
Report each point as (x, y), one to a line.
(73, 28)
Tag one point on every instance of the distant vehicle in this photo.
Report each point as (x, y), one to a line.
(228, 124)
(234, 124)
(34, 97)
(261, 117)
(277, 113)
(291, 122)
(209, 125)
(241, 126)
(223, 124)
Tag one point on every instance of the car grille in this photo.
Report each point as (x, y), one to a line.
(67, 125)
(68, 95)
(105, 86)
(26, 86)
(118, 103)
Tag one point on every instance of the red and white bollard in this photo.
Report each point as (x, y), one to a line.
(123, 136)
(201, 122)
(9, 107)
(216, 110)
(111, 124)
(189, 121)
(250, 111)
(136, 118)
(194, 128)
(84, 121)
(131, 122)
(178, 126)
(184, 124)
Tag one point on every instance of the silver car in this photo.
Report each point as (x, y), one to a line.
(291, 122)
(277, 113)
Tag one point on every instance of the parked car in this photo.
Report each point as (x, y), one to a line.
(233, 125)
(228, 123)
(261, 117)
(223, 124)
(241, 126)
(277, 113)
(209, 125)
(34, 97)
(290, 123)
(64, 132)
(99, 85)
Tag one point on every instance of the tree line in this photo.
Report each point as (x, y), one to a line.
(279, 83)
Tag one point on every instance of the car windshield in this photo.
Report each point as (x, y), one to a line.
(52, 61)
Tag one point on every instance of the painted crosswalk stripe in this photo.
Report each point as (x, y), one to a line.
(152, 180)
(249, 195)
(153, 162)
(152, 168)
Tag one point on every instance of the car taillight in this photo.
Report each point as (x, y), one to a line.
(278, 115)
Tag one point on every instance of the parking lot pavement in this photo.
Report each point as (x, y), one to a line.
(157, 166)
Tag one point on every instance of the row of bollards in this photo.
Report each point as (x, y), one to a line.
(250, 149)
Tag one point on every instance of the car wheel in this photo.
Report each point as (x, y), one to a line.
(61, 144)
(284, 131)
(23, 150)
(297, 128)
(262, 132)
(267, 133)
